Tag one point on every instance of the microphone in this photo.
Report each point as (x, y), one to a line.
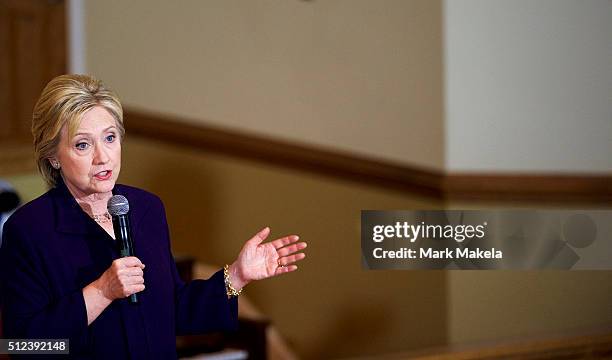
(118, 206)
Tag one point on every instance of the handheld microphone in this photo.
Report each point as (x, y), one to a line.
(119, 207)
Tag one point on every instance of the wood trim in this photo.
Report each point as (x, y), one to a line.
(283, 153)
(559, 188)
(589, 345)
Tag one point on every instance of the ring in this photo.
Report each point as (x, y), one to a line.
(279, 264)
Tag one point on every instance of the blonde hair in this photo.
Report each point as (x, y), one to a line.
(62, 103)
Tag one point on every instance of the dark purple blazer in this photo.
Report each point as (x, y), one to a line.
(51, 250)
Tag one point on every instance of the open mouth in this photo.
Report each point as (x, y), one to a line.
(104, 175)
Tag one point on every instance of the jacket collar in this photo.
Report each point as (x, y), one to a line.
(69, 217)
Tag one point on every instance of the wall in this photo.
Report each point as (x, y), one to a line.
(354, 75)
(527, 89)
(528, 86)
(343, 74)
(330, 307)
(492, 305)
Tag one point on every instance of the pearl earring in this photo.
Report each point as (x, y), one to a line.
(55, 164)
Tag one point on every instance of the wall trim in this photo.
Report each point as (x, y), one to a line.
(558, 188)
(485, 187)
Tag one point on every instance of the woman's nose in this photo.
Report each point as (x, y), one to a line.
(100, 155)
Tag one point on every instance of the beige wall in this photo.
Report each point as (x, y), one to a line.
(29, 186)
(528, 86)
(344, 310)
(353, 75)
(330, 307)
(491, 305)
(360, 76)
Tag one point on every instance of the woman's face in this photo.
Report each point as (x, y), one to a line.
(91, 160)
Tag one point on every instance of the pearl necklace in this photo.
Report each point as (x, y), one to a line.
(101, 218)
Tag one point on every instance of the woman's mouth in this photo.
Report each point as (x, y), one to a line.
(104, 175)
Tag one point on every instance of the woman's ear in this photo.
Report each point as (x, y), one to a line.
(55, 163)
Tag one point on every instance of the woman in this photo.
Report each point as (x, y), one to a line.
(60, 270)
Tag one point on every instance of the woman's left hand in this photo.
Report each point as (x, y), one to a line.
(258, 261)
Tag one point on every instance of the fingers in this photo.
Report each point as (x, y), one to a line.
(129, 285)
(287, 250)
(129, 261)
(131, 271)
(284, 241)
(125, 277)
(288, 260)
(285, 269)
(260, 236)
(132, 289)
(133, 280)
(137, 289)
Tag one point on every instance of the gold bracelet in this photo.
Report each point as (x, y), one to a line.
(231, 291)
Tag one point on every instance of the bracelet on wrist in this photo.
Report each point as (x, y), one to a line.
(229, 289)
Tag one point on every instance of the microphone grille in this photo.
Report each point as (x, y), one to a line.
(118, 205)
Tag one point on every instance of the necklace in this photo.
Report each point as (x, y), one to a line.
(101, 218)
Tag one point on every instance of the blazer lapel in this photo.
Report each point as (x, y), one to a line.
(70, 218)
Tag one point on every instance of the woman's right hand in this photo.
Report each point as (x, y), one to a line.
(123, 278)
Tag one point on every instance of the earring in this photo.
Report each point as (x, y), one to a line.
(55, 164)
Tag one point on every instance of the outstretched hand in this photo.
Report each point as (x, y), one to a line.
(257, 260)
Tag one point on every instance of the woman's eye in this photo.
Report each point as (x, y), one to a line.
(81, 146)
(110, 138)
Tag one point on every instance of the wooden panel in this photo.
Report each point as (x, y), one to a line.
(56, 47)
(6, 109)
(32, 52)
(28, 31)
